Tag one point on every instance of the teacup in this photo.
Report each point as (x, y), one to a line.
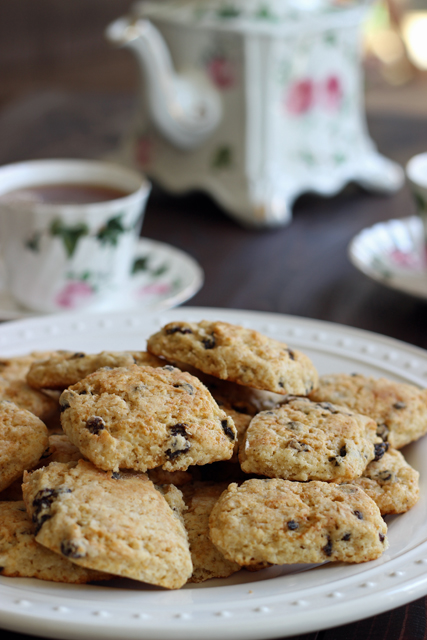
(416, 171)
(64, 255)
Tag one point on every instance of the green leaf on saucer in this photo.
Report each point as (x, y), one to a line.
(70, 236)
(228, 11)
(223, 157)
(156, 273)
(110, 233)
(140, 264)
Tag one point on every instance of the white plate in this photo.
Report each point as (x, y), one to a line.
(163, 277)
(393, 254)
(276, 602)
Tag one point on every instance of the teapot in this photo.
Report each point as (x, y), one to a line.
(252, 101)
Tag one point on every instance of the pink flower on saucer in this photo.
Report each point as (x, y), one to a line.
(74, 294)
(222, 73)
(158, 289)
(332, 93)
(300, 97)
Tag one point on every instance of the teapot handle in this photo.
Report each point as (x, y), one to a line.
(185, 107)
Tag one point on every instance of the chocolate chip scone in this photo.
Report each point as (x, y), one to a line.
(208, 561)
(113, 522)
(23, 439)
(234, 353)
(399, 409)
(303, 440)
(17, 367)
(21, 394)
(143, 417)
(391, 482)
(61, 371)
(283, 522)
(21, 556)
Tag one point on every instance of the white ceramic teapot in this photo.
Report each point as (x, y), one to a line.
(253, 101)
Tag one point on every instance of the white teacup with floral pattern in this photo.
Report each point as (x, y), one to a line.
(65, 257)
(416, 171)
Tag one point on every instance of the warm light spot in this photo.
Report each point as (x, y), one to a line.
(414, 30)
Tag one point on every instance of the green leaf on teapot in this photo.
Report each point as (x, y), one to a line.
(70, 236)
(33, 243)
(140, 264)
(265, 13)
(110, 232)
(228, 11)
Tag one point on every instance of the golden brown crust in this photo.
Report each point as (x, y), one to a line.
(144, 417)
(234, 353)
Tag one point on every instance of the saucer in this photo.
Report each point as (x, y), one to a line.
(393, 253)
(163, 277)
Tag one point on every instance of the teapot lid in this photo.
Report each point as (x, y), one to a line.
(243, 15)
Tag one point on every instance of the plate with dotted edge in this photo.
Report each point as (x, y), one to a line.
(275, 602)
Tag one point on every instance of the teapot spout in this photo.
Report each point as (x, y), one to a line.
(186, 108)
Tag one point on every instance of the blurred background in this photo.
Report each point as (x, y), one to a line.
(60, 45)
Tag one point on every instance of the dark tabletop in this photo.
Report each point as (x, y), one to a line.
(301, 269)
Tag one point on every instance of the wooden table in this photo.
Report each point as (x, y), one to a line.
(301, 269)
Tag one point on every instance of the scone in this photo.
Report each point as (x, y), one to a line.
(23, 439)
(143, 417)
(21, 556)
(208, 561)
(400, 410)
(282, 522)
(303, 440)
(391, 482)
(113, 522)
(234, 353)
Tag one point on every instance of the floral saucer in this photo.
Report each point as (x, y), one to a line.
(162, 277)
(394, 254)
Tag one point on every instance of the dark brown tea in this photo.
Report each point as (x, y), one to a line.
(66, 194)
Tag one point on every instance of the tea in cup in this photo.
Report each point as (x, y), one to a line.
(68, 230)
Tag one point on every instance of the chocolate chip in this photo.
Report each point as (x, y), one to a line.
(179, 443)
(380, 450)
(173, 330)
(358, 514)
(292, 525)
(291, 354)
(83, 392)
(95, 424)
(115, 475)
(381, 537)
(71, 549)
(328, 547)
(209, 343)
(299, 445)
(346, 537)
(399, 405)
(42, 502)
(383, 431)
(334, 460)
(384, 476)
(227, 430)
(328, 406)
(63, 406)
(168, 367)
(343, 451)
(79, 354)
(186, 386)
